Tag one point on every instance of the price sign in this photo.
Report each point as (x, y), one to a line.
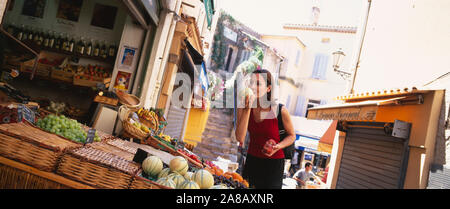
(90, 136)
(140, 156)
(25, 113)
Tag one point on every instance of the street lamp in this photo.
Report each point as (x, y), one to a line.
(338, 56)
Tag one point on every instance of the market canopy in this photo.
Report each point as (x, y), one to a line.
(359, 111)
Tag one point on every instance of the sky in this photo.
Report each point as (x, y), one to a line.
(268, 16)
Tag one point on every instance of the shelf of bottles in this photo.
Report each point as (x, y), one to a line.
(62, 43)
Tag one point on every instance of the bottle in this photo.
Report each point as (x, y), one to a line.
(89, 49)
(64, 42)
(71, 45)
(96, 49)
(103, 52)
(41, 37)
(81, 46)
(11, 29)
(46, 40)
(30, 34)
(51, 42)
(58, 44)
(112, 50)
(36, 36)
(20, 34)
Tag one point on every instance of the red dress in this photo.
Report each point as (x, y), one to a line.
(260, 133)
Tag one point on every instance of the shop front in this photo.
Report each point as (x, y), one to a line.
(386, 139)
(71, 56)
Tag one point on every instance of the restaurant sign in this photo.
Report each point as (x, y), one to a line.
(362, 113)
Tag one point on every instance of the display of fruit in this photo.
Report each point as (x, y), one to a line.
(179, 165)
(56, 107)
(188, 175)
(164, 173)
(65, 127)
(92, 73)
(189, 185)
(48, 61)
(203, 178)
(150, 118)
(152, 165)
(177, 178)
(219, 186)
(166, 182)
(229, 182)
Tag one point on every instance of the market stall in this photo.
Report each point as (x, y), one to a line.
(387, 138)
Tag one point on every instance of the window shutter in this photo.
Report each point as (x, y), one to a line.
(299, 106)
(288, 101)
(323, 67)
(317, 60)
(297, 58)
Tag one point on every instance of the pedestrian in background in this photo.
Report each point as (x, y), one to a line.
(304, 175)
(294, 164)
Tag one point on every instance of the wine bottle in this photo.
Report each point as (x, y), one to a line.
(89, 48)
(46, 40)
(58, 44)
(65, 43)
(103, 52)
(20, 34)
(81, 46)
(51, 42)
(41, 37)
(96, 50)
(30, 34)
(36, 36)
(112, 50)
(71, 45)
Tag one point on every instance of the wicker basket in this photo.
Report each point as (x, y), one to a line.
(97, 168)
(133, 131)
(140, 182)
(155, 143)
(31, 146)
(113, 150)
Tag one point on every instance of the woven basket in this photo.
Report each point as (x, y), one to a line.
(97, 168)
(157, 144)
(113, 150)
(32, 146)
(13, 178)
(133, 131)
(140, 182)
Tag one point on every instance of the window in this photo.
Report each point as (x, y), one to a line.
(297, 58)
(311, 104)
(288, 101)
(300, 106)
(230, 53)
(320, 66)
(284, 67)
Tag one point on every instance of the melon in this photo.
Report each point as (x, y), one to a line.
(152, 165)
(164, 173)
(179, 165)
(189, 185)
(203, 178)
(166, 182)
(219, 186)
(177, 178)
(188, 175)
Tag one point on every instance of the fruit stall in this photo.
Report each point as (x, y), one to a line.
(53, 151)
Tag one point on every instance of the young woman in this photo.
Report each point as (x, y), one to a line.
(263, 170)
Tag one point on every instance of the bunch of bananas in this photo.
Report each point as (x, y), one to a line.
(149, 116)
(166, 138)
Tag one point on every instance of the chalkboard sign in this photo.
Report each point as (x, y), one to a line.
(25, 113)
(90, 136)
(140, 156)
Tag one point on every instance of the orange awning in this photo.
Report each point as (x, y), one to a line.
(326, 142)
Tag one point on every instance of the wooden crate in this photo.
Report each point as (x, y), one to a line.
(41, 69)
(106, 100)
(32, 146)
(90, 83)
(59, 74)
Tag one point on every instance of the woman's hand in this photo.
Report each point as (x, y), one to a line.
(275, 149)
(249, 99)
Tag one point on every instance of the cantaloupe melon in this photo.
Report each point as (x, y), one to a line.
(152, 165)
(188, 175)
(177, 178)
(166, 182)
(189, 185)
(164, 173)
(203, 178)
(179, 165)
